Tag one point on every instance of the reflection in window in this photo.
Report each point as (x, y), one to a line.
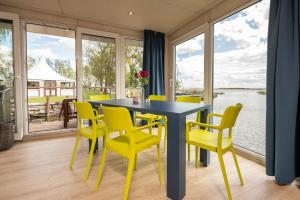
(133, 63)
(240, 55)
(190, 67)
(99, 66)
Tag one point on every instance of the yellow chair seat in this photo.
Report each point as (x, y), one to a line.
(207, 140)
(148, 116)
(88, 131)
(121, 144)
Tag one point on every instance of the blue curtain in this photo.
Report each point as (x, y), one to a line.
(154, 61)
(283, 116)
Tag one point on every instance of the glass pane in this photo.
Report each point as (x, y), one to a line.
(7, 81)
(190, 69)
(51, 76)
(133, 63)
(99, 66)
(240, 55)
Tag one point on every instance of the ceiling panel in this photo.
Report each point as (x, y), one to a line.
(49, 6)
(158, 15)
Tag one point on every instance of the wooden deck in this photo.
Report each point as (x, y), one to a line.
(50, 126)
(39, 170)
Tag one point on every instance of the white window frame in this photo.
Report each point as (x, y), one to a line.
(78, 47)
(17, 70)
(205, 28)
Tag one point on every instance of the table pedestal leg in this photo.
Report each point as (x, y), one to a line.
(176, 177)
(204, 154)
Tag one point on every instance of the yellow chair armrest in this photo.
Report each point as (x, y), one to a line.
(214, 115)
(203, 125)
(135, 129)
(149, 125)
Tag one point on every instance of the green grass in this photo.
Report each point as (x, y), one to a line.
(53, 99)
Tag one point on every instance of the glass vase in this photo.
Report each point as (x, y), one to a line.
(142, 96)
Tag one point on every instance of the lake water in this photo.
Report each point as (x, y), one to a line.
(249, 131)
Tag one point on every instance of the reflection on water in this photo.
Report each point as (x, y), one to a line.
(249, 131)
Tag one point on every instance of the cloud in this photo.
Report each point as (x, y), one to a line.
(240, 61)
(53, 47)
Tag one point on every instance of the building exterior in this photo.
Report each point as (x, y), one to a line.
(44, 81)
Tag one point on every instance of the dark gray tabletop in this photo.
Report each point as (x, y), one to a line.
(156, 107)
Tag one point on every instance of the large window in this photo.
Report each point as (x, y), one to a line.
(240, 55)
(133, 64)
(51, 75)
(7, 83)
(190, 67)
(99, 66)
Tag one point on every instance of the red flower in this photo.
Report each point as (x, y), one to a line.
(144, 74)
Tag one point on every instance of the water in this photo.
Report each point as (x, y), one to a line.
(249, 131)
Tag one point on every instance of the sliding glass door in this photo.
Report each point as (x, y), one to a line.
(98, 66)
(190, 67)
(133, 64)
(10, 72)
(51, 76)
(240, 61)
(7, 73)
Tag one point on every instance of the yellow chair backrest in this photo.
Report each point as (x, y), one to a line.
(157, 98)
(117, 119)
(230, 115)
(84, 110)
(188, 99)
(100, 97)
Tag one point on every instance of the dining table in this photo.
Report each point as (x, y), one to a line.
(176, 113)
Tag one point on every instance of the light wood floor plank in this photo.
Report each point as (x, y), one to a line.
(39, 170)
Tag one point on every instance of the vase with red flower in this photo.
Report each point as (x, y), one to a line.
(143, 80)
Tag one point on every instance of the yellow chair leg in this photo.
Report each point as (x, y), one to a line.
(135, 162)
(197, 156)
(150, 128)
(220, 156)
(237, 165)
(166, 135)
(159, 166)
(134, 121)
(128, 178)
(90, 160)
(101, 168)
(189, 152)
(74, 151)
(103, 141)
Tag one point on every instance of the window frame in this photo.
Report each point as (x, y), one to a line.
(204, 29)
(241, 150)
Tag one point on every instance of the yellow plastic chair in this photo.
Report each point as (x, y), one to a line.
(217, 142)
(130, 144)
(100, 97)
(189, 99)
(150, 118)
(96, 130)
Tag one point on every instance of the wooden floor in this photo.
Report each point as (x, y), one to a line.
(39, 170)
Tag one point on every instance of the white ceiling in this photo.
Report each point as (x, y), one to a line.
(158, 15)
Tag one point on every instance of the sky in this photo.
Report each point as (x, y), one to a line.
(53, 47)
(240, 47)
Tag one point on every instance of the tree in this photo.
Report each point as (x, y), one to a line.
(101, 67)
(63, 67)
(31, 61)
(134, 62)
